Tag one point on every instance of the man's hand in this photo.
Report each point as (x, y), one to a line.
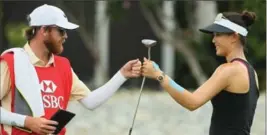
(40, 126)
(131, 69)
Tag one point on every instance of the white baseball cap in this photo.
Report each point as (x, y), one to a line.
(50, 15)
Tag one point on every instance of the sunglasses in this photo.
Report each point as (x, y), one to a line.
(61, 31)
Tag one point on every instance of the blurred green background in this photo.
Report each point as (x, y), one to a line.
(126, 23)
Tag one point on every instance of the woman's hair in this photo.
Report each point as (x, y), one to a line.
(244, 19)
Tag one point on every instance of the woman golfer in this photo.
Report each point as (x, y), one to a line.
(233, 87)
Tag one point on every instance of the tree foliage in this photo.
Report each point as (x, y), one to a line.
(256, 41)
(15, 34)
(256, 47)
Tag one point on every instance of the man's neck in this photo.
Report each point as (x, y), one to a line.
(40, 50)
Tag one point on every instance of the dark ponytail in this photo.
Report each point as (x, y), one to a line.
(244, 19)
(248, 18)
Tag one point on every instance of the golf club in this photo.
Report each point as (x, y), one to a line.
(148, 43)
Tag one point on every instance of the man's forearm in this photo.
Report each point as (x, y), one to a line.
(102, 94)
(12, 119)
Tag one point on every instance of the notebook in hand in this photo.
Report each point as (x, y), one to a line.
(63, 117)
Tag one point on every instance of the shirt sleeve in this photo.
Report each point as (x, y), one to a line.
(79, 90)
(5, 81)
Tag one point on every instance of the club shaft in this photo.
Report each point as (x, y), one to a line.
(149, 53)
(140, 94)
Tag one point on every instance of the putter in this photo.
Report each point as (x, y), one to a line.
(148, 43)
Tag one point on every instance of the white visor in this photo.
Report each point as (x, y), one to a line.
(228, 24)
(223, 25)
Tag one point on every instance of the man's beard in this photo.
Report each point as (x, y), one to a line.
(52, 47)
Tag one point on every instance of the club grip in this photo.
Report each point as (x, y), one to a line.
(130, 131)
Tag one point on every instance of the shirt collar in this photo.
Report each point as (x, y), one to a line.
(35, 60)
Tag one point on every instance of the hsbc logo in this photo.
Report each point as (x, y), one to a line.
(50, 100)
(47, 86)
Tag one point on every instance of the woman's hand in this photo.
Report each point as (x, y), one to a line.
(150, 69)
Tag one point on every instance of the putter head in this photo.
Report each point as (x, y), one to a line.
(149, 42)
